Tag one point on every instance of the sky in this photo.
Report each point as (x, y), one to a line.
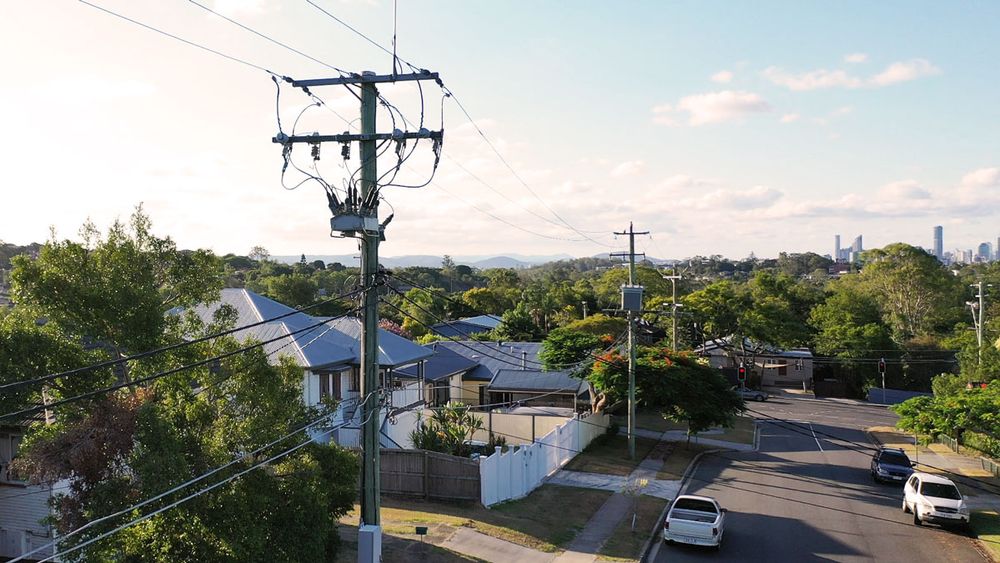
(719, 127)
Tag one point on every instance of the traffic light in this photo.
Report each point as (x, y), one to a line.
(881, 366)
(742, 373)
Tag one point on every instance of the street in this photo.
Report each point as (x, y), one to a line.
(802, 497)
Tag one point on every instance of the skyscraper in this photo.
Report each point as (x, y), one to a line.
(939, 242)
(984, 252)
(836, 248)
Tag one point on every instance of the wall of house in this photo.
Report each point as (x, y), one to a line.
(21, 509)
(516, 428)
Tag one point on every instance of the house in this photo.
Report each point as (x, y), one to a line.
(23, 507)
(537, 388)
(459, 370)
(463, 328)
(776, 367)
(330, 356)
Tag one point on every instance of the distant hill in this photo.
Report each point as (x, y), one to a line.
(481, 262)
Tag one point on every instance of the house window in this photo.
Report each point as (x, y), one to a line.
(783, 368)
(9, 445)
(355, 379)
(325, 389)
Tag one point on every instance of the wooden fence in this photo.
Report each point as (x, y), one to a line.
(429, 475)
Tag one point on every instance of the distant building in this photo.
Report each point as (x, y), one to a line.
(851, 254)
(856, 249)
(984, 253)
(774, 366)
(939, 242)
(836, 248)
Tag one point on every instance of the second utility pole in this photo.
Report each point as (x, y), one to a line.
(632, 303)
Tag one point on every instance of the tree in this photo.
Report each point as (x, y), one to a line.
(565, 347)
(448, 431)
(115, 289)
(516, 325)
(423, 309)
(123, 446)
(676, 385)
(599, 325)
(294, 290)
(913, 289)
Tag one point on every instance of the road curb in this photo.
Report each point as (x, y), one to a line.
(652, 545)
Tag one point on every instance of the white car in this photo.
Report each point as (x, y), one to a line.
(936, 499)
(752, 394)
(695, 520)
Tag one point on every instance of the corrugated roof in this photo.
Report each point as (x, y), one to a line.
(495, 356)
(442, 363)
(336, 342)
(536, 380)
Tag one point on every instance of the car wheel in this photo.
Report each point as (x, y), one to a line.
(759, 398)
(906, 507)
(916, 518)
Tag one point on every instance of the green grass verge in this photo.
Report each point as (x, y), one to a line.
(609, 455)
(741, 432)
(625, 543)
(986, 525)
(531, 521)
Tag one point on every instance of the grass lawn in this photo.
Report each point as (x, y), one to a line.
(625, 543)
(679, 459)
(609, 455)
(530, 521)
(741, 432)
(986, 524)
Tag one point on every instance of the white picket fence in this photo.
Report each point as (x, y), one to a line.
(514, 474)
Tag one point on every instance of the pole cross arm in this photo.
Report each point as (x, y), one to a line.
(365, 79)
(353, 137)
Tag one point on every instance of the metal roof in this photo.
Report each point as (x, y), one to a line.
(443, 363)
(495, 356)
(337, 342)
(536, 380)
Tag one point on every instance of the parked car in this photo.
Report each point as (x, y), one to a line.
(936, 499)
(752, 394)
(891, 464)
(695, 520)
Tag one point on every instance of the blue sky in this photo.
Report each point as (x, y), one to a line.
(722, 127)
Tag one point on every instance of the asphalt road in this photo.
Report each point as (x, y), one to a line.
(805, 497)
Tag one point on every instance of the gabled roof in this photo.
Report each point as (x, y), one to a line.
(759, 349)
(443, 363)
(537, 381)
(464, 327)
(488, 321)
(335, 343)
(495, 356)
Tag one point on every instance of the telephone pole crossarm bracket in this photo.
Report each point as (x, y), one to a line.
(354, 137)
(365, 79)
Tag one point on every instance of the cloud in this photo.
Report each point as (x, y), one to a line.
(628, 168)
(855, 58)
(711, 107)
(812, 80)
(790, 117)
(903, 190)
(982, 178)
(722, 77)
(903, 71)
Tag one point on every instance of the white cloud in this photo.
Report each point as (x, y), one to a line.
(904, 72)
(790, 117)
(855, 58)
(812, 80)
(722, 77)
(903, 190)
(982, 178)
(628, 168)
(711, 107)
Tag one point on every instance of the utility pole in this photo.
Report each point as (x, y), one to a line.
(673, 277)
(584, 303)
(977, 320)
(632, 304)
(357, 217)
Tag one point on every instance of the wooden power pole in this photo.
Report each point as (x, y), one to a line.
(632, 305)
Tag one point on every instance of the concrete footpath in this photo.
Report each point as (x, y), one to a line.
(488, 548)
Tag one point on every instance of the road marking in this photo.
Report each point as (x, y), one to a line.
(818, 445)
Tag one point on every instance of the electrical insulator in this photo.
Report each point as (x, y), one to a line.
(345, 151)
(315, 152)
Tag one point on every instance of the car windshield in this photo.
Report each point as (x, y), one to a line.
(940, 490)
(694, 504)
(894, 459)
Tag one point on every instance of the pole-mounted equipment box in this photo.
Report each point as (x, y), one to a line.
(632, 298)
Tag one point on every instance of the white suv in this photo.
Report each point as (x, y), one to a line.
(934, 499)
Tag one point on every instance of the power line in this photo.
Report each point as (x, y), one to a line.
(180, 501)
(173, 489)
(160, 350)
(41, 408)
(178, 38)
(275, 41)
